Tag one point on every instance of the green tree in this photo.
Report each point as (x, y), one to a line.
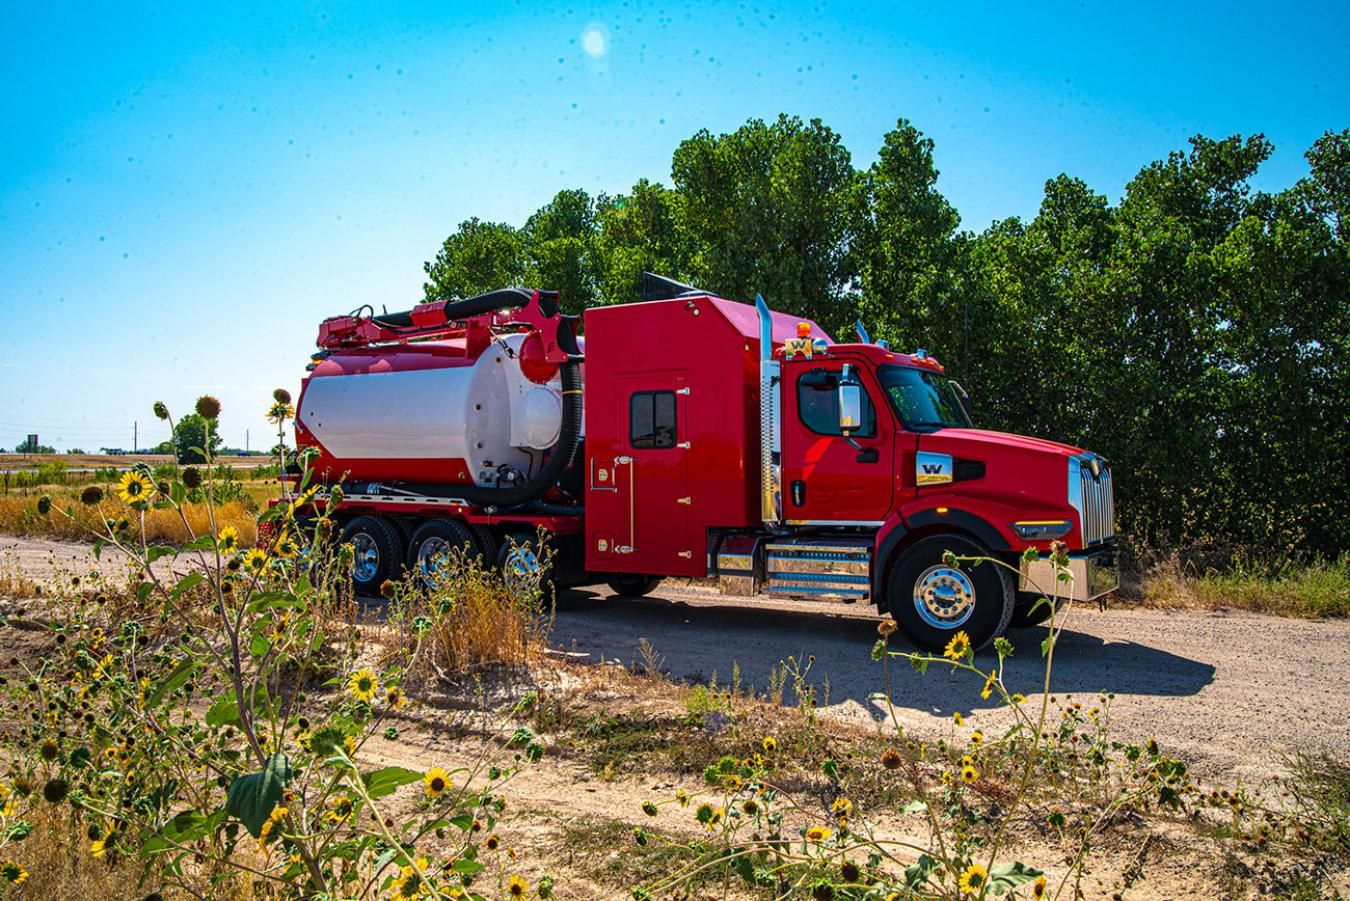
(768, 207)
(639, 232)
(479, 257)
(558, 247)
(189, 437)
(909, 257)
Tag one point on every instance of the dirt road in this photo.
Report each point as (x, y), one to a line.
(1231, 693)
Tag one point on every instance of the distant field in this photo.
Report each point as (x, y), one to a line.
(16, 462)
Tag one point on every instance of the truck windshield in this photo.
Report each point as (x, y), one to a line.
(925, 400)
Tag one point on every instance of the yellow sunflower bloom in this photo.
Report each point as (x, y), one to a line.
(227, 542)
(958, 647)
(517, 887)
(255, 561)
(12, 873)
(969, 774)
(1038, 888)
(958, 718)
(395, 698)
(363, 685)
(973, 879)
(818, 834)
(135, 487)
(990, 681)
(435, 782)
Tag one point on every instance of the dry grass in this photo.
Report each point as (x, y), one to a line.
(1315, 590)
(471, 621)
(19, 516)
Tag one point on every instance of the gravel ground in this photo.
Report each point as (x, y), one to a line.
(1233, 693)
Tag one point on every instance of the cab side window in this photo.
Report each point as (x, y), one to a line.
(651, 419)
(818, 404)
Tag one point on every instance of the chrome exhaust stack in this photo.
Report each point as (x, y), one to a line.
(770, 436)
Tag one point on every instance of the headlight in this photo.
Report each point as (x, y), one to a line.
(1042, 529)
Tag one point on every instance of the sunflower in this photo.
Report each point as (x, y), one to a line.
(842, 806)
(770, 744)
(395, 698)
(517, 887)
(977, 737)
(492, 842)
(969, 774)
(973, 879)
(958, 647)
(886, 628)
(732, 783)
(1038, 888)
(279, 412)
(890, 759)
(286, 547)
(99, 846)
(363, 685)
(435, 781)
(12, 873)
(134, 487)
(818, 834)
(255, 561)
(958, 718)
(411, 882)
(989, 682)
(228, 540)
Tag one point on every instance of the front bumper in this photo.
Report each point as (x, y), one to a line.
(1094, 572)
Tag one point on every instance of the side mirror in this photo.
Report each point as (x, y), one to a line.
(965, 401)
(850, 402)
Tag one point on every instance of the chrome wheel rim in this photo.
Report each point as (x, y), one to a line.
(365, 557)
(431, 554)
(944, 597)
(520, 570)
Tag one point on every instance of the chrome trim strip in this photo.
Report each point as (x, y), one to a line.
(865, 523)
(419, 499)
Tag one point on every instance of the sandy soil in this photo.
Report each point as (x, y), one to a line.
(1231, 693)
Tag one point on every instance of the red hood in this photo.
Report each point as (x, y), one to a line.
(1007, 439)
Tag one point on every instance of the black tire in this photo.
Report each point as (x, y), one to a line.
(1023, 616)
(929, 626)
(487, 543)
(379, 549)
(629, 585)
(437, 537)
(521, 550)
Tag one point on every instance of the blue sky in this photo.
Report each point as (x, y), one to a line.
(184, 195)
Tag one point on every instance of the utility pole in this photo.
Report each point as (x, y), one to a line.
(134, 437)
(245, 442)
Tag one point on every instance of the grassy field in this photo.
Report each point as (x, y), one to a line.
(120, 461)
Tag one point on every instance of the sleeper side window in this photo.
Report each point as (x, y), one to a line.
(651, 419)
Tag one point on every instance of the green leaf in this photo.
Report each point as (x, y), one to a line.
(175, 679)
(177, 493)
(268, 600)
(323, 742)
(917, 874)
(157, 551)
(99, 545)
(463, 822)
(225, 712)
(389, 780)
(205, 542)
(185, 828)
(466, 867)
(1007, 876)
(187, 583)
(252, 798)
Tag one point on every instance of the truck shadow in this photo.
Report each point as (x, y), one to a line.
(696, 641)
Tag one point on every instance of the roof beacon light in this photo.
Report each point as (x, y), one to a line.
(800, 345)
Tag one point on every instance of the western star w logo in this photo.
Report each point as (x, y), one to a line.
(934, 469)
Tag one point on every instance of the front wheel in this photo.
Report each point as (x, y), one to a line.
(932, 600)
(524, 570)
(1024, 617)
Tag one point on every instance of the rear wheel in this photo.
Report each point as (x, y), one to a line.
(628, 585)
(523, 568)
(932, 600)
(433, 543)
(377, 552)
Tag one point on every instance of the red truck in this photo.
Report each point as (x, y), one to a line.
(692, 436)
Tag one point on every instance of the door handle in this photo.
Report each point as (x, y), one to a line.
(868, 455)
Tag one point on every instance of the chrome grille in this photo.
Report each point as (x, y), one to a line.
(1093, 497)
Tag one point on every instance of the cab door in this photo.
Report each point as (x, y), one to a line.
(826, 479)
(651, 475)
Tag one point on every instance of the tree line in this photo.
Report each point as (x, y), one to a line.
(1195, 333)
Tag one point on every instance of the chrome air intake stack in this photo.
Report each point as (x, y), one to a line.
(770, 435)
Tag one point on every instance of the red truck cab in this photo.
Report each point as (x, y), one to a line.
(732, 442)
